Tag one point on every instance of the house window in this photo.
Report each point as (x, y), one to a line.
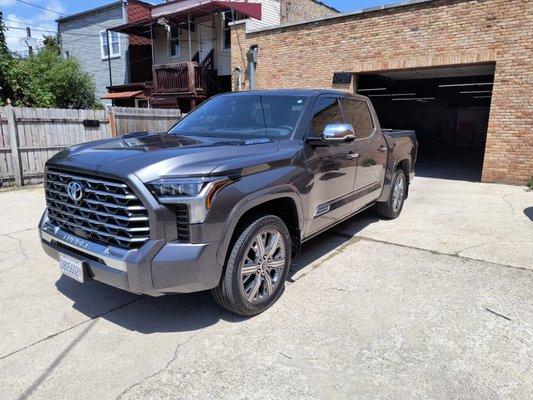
(114, 42)
(227, 18)
(174, 42)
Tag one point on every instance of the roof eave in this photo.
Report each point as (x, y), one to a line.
(92, 10)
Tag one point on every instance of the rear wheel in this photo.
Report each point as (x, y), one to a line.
(254, 277)
(393, 206)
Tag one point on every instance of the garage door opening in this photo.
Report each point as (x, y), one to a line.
(447, 107)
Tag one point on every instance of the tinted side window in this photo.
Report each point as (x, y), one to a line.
(358, 115)
(326, 111)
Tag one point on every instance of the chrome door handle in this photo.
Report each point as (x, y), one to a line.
(351, 156)
(382, 148)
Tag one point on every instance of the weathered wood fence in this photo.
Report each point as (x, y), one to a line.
(129, 119)
(30, 136)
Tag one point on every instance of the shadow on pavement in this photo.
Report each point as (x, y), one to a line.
(192, 311)
(332, 240)
(53, 365)
(529, 213)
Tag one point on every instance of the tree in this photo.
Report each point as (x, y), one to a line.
(3, 45)
(6, 62)
(52, 43)
(46, 80)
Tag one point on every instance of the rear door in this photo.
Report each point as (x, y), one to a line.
(371, 148)
(332, 169)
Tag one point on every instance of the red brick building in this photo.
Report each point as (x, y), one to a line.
(459, 72)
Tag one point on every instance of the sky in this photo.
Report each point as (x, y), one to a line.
(18, 14)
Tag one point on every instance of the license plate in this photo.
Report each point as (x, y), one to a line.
(71, 267)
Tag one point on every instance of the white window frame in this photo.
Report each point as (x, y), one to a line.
(103, 42)
(169, 43)
(223, 31)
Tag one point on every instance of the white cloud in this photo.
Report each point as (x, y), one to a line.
(53, 5)
(17, 32)
(7, 3)
(41, 23)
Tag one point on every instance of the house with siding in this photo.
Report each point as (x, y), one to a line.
(110, 57)
(191, 42)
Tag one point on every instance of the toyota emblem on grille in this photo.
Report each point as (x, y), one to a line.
(75, 191)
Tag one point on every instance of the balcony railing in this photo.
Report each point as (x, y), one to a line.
(180, 78)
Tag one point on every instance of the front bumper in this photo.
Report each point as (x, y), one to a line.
(154, 269)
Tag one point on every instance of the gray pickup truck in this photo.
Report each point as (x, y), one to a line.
(224, 199)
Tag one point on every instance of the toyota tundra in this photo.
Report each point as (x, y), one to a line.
(224, 200)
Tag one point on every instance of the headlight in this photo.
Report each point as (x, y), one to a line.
(198, 193)
(177, 187)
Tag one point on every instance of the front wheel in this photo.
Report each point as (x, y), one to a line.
(393, 206)
(254, 277)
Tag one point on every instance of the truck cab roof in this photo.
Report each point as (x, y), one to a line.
(294, 92)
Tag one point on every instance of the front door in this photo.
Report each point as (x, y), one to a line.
(205, 38)
(371, 149)
(332, 170)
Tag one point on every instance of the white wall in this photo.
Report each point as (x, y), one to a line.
(222, 57)
(270, 16)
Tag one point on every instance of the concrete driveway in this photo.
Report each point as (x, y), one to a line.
(436, 304)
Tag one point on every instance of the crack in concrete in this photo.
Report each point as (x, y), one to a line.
(446, 254)
(504, 198)
(69, 328)
(14, 233)
(458, 253)
(175, 355)
(20, 245)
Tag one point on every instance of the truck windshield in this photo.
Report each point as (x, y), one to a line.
(240, 116)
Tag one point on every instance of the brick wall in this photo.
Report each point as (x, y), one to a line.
(303, 10)
(427, 34)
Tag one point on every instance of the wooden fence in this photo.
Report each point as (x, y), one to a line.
(30, 136)
(127, 119)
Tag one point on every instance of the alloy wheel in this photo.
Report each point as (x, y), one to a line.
(262, 265)
(398, 193)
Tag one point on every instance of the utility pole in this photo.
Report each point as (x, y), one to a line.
(30, 47)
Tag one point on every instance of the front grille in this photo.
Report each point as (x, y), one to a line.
(182, 219)
(108, 212)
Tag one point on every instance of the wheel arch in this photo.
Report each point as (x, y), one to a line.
(281, 202)
(405, 165)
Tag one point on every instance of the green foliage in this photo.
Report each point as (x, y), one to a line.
(5, 65)
(52, 43)
(530, 183)
(45, 80)
(3, 45)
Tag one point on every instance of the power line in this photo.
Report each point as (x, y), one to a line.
(48, 31)
(41, 7)
(60, 14)
(25, 23)
(24, 28)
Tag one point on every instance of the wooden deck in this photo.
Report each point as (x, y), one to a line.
(184, 80)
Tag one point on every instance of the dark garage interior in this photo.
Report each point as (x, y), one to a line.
(447, 107)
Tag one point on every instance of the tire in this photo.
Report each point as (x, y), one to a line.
(254, 279)
(393, 206)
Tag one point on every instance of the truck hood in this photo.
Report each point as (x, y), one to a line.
(152, 156)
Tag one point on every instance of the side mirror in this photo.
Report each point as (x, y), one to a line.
(338, 133)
